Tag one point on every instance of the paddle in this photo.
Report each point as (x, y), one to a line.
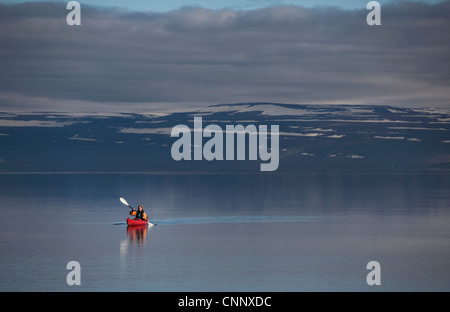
(125, 202)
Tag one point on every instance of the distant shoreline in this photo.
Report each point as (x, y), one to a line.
(278, 173)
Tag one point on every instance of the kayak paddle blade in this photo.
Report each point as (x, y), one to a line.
(124, 201)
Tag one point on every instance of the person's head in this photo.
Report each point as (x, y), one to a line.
(140, 208)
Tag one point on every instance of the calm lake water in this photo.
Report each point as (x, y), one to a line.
(305, 232)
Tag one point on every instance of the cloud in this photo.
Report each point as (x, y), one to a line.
(135, 61)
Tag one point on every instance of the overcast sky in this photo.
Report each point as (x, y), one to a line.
(167, 5)
(124, 60)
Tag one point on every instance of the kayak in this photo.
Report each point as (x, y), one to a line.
(133, 222)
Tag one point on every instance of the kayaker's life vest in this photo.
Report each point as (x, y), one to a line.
(139, 214)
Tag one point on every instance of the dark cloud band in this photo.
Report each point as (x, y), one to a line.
(197, 56)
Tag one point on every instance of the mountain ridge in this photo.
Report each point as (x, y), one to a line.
(312, 138)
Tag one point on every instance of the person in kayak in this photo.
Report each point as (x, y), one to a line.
(139, 213)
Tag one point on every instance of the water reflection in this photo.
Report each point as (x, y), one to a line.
(137, 234)
(341, 222)
(136, 238)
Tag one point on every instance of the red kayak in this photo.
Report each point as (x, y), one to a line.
(132, 222)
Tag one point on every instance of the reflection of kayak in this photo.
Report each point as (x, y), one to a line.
(134, 222)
